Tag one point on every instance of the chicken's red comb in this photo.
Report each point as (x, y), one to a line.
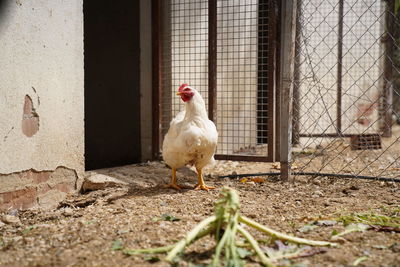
(183, 86)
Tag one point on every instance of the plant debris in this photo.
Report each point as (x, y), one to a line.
(28, 229)
(371, 219)
(117, 245)
(359, 260)
(225, 224)
(359, 227)
(166, 217)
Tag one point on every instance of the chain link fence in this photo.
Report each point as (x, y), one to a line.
(346, 106)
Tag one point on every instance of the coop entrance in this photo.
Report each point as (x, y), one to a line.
(112, 95)
(227, 51)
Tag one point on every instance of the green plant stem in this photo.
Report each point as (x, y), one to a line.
(221, 244)
(264, 259)
(231, 240)
(165, 248)
(282, 236)
(190, 237)
(149, 250)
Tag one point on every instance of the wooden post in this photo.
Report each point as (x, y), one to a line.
(296, 79)
(386, 100)
(288, 32)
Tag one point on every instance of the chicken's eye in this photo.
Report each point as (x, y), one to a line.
(186, 89)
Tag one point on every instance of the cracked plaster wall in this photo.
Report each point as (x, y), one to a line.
(41, 57)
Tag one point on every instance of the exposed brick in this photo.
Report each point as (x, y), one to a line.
(40, 177)
(20, 199)
(43, 188)
(37, 188)
(65, 187)
(36, 177)
(30, 119)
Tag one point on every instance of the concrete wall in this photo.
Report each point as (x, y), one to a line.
(41, 103)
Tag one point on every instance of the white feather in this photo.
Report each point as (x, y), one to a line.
(192, 138)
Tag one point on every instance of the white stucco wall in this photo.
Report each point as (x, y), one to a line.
(41, 47)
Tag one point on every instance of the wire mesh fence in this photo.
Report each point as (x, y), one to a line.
(184, 53)
(244, 96)
(346, 95)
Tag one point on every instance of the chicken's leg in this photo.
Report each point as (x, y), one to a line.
(200, 184)
(173, 183)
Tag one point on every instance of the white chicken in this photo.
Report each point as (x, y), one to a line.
(191, 138)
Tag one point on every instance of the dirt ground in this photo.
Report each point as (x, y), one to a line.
(83, 230)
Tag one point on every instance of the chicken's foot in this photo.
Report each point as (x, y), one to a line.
(200, 184)
(173, 183)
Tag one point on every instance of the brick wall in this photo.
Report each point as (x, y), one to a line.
(29, 189)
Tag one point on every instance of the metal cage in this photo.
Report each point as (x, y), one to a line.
(226, 49)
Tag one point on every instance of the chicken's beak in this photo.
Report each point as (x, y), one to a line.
(179, 93)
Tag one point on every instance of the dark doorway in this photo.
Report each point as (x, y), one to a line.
(112, 91)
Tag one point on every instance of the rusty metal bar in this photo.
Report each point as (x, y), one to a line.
(157, 76)
(339, 70)
(296, 79)
(278, 7)
(287, 37)
(272, 37)
(240, 157)
(212, 59)
(387, 88)
(333, 135)
(166, 66)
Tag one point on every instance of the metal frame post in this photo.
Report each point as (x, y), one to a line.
(212, 59)
(387, 87)
(339, 71)
(288, 35)
(296, 79)
(157, 76)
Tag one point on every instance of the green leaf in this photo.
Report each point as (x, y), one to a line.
(170, 218)
(117, 245)
(28, 229)
(335, 232)
(166, 217)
